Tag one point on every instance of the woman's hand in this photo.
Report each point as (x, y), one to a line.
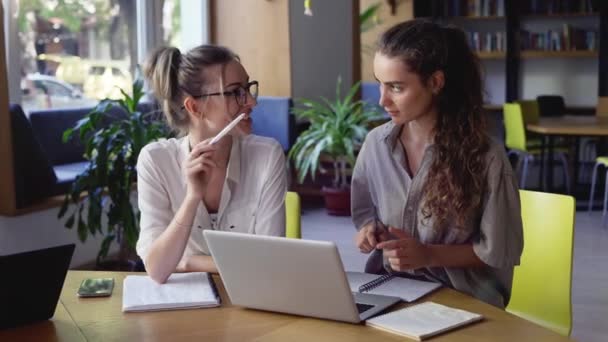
(405, 253)
(369, 236)
(198, 168)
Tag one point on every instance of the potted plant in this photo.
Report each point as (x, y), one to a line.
(112, 143)
(337, 130)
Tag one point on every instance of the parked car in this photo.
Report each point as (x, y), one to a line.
(48, 92)
(99, 78)
(105, 79)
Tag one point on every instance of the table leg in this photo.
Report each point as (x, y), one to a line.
(541, 173)
(574, 180)
(550, 164)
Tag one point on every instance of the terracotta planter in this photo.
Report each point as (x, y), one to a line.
(337, 201)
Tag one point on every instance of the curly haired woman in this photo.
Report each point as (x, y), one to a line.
(433, 196)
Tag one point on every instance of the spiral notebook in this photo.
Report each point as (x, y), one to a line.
(407, 289)
(181, 291)
(423, 320)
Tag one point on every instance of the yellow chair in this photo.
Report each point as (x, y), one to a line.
(542, 283)
(529, 109)
(590, 146)
(599, 161)
(601, 112)
(292, 215)
(517, 143)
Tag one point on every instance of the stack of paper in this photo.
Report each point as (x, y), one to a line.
(423, 320)
(181, 291)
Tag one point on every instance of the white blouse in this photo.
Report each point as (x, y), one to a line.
(252, 199)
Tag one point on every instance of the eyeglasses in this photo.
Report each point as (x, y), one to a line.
(240, 93)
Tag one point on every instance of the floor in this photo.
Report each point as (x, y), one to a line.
(590, 275)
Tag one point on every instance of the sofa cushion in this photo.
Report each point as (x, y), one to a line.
(49, 125)
(34, 176)
(272, 118)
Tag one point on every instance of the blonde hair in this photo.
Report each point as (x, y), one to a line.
(173, 76)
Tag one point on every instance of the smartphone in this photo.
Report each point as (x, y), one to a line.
(96, 287)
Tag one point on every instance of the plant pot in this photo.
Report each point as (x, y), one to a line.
(337, 201)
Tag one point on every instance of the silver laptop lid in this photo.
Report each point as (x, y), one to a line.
(301, 277)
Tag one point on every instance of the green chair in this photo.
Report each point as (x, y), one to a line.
(542, 283)
(292, 215)
(518, 144)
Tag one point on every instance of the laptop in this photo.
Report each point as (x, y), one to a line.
(300, 277)
(31, 284)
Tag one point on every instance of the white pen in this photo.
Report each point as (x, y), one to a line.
(227, 129)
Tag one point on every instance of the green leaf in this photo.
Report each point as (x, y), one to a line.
(64, 206)
(69, 223)
(82, 227)
(105, 247)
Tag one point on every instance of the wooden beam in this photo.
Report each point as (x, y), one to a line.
(7, 178)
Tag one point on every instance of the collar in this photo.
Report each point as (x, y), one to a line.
(233, 172)
(390, 133)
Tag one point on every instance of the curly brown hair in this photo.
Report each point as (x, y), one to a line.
(455, 183)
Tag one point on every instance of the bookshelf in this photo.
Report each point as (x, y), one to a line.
(533, 30)
(558, 54)
(491, 54)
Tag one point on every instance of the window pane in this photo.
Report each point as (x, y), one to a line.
(172, 23)
(75, 52)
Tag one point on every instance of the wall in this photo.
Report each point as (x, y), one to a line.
(258, 31)
(323, 48)
(368, 39)
(43, 229)
(574, 78)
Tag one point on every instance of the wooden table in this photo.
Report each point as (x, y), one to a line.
(101, 319)
(568, 126)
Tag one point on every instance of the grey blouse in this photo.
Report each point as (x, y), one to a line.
(382, 189)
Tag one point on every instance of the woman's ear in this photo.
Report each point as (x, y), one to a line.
(193, 107)
(437, 81)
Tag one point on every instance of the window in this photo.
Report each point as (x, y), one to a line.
(66, 41)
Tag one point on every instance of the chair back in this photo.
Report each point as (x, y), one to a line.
(601, 110)
(515, 131)
(529, 110)
(542, 283)
(293, 215)
(551, 105)
(272, 118)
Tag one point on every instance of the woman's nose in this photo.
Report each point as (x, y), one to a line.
(251, 101)
(384, 100)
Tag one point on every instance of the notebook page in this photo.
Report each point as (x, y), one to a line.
(182, 290)
(408, 289)
(423, 320)
(356, 279)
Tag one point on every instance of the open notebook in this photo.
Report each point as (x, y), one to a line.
(181, 291)
(408, 290)
(423, 320)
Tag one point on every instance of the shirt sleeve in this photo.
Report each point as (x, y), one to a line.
(153, 202)
(270, 216)
(500, 241)
(362, 206)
